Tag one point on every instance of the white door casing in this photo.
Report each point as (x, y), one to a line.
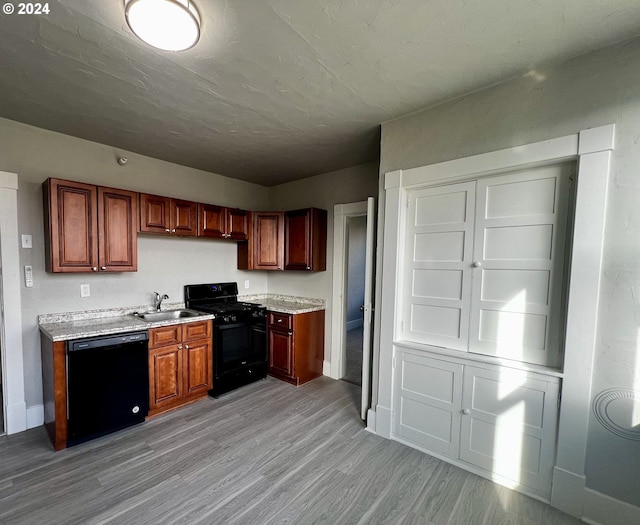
(367, 333)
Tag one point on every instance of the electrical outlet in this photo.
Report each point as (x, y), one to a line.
(85, 290)
(246, 285)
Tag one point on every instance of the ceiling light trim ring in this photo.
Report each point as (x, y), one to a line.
(186, 6)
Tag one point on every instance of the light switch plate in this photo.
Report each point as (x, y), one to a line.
(27, 241)
(85, 290)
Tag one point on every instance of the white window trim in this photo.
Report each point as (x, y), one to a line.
(592, 149)
(11, 320)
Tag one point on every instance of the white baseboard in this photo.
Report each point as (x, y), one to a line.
(356, 323)
(600, 509)
(35, 416)
(326, 368)
(567, 492)
(383, 421)
(371, 421)
(16, 418)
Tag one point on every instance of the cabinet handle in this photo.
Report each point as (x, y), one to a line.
(95, 268)
(278, 320)
(465, 411)
(103, 268)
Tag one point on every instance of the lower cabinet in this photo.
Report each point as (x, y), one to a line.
(180, 365)
(500, 421)
(296, 346)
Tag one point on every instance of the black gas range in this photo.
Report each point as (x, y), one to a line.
(239, 334)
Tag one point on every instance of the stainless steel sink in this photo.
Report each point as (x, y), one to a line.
(168, 315)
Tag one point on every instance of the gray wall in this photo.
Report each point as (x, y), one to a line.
(592, 90)
(357, 232)
(165, 264)
(323, 191)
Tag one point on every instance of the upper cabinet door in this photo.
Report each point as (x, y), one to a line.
(154, 213)
(437, 265)
(184, 217)
(71, 217)
(117, 227)
(518, 261)
(305, 240)
(267, 242)
(211, 221)
(237, 224)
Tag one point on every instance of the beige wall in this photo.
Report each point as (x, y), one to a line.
(593, 90)
(165, 264)
(323, 191)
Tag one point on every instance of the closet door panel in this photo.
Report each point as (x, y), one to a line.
(427, 407)
(519, 245)
(437, 277)
(509, 424)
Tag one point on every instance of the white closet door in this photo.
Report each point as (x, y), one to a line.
(509, 425)
(427, 407)
(437, 277)
(518, 265)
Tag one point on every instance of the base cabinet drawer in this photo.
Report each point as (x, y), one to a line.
(498, 420)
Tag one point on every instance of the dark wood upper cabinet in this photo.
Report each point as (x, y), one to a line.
(167, 216)
(305, 242)
(265, 248)
(219, 222)
(89, 228)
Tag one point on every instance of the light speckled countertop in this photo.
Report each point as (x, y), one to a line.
(286, 304)
(94, 323)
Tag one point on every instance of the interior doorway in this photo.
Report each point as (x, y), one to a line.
(353, 252)
(353, 322)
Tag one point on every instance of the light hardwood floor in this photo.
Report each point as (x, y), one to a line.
(267, 453)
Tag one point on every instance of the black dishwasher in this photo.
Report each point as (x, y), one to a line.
(107, 384)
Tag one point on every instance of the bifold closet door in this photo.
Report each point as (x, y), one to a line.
(518, 263)
(437, 265)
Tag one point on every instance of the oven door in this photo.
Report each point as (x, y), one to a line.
(237, 345)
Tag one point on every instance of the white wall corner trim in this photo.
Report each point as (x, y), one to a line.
(592, 149)
(600, 509)
(11, 319)
(35, 416)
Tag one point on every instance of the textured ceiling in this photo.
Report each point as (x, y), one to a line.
(278, 90)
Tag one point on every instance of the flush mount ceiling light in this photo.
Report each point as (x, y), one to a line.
(171, 25)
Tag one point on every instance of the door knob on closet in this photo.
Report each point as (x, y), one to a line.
(466, 412)
(476, 264)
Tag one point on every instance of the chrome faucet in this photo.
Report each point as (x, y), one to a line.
(157, 300)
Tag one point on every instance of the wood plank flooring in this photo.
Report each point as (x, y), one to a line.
(267, 453)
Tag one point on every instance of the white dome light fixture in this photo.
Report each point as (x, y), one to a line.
(170, 25)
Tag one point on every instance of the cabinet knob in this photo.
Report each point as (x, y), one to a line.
(179, 347)
(173, 231)
(465, 411)
(168, 230)
(308, 267)
(186, 347)
(476, 264)
(278, 320)
(103, 268)
(95, 268)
